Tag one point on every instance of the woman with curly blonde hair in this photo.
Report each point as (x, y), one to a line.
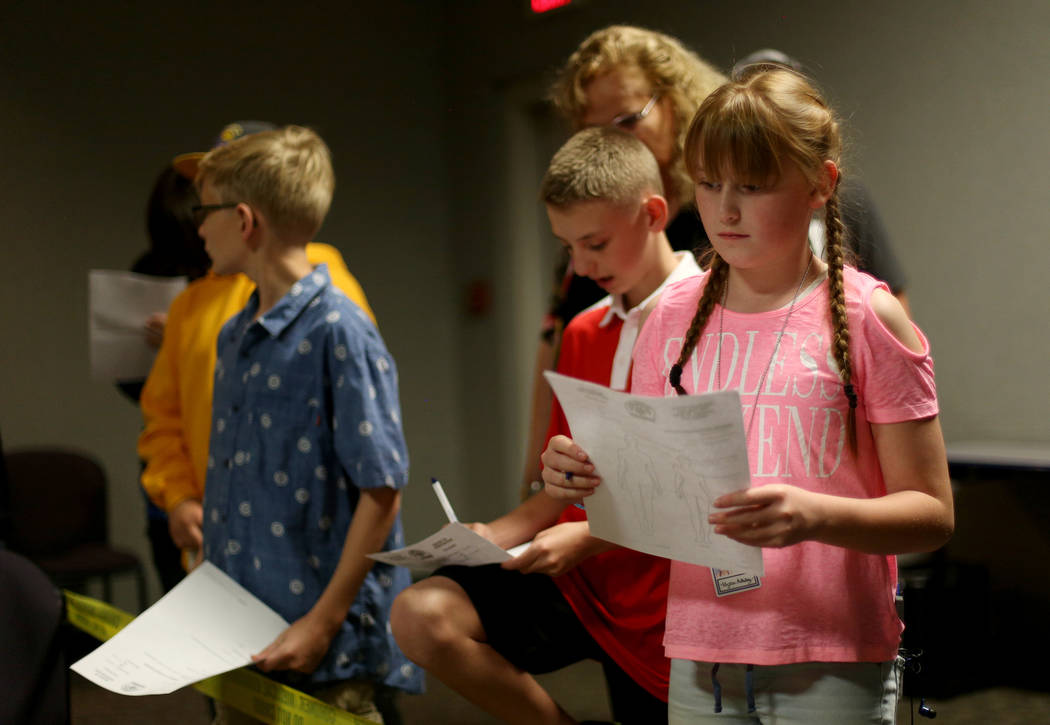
(645, 82)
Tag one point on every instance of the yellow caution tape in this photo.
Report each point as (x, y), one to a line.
(251, 693)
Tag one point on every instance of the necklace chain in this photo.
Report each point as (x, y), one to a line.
(776, 346)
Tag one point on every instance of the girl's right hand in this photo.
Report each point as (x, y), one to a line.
(567, 470)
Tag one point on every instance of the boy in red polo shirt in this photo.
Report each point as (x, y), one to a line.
(484, 631)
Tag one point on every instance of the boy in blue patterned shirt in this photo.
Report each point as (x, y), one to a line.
(307, 454)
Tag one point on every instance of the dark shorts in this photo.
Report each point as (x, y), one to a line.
(527, 620)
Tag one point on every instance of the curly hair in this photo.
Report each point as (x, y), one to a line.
(673, 71)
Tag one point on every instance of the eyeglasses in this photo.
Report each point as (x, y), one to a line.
(201, 211)
(628, 121)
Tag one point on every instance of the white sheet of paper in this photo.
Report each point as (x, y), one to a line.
(662, 462)
(208, 624)
(454, 544)
(119, 304)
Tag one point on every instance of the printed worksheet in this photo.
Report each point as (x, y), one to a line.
(119, 304)
(454, 544)
(662, 462)
(208, 624)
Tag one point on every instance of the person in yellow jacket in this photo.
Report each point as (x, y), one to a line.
(176, 399)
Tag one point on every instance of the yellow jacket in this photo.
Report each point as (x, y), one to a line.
(176, 400)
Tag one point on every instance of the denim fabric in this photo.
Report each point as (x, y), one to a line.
(305, 414)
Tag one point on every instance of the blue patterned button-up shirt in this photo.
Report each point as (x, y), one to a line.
(305, 414)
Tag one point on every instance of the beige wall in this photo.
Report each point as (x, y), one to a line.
(94, 103)
(946, 104)
(945, 108)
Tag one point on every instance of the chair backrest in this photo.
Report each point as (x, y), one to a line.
(57, 499)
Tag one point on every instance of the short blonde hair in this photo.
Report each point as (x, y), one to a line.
(672, 70)
(600, 164)
(286, 174)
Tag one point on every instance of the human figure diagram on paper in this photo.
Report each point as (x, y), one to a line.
(693, 489)
(638, 476)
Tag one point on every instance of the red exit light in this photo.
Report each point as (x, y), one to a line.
(542, 6)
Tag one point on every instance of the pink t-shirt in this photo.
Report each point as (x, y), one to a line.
(817, 603)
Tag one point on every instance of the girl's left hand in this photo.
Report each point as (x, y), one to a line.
(773, 516)
(301, 647)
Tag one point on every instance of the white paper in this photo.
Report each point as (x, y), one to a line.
(454, 544)
(662, 462)
(208, 624)
(119, 304)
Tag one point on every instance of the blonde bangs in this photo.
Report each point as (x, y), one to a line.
(736, 135)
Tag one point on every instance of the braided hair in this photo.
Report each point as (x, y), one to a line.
(748, 129)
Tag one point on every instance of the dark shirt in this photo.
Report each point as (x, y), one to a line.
(867, 236)
(5, 500)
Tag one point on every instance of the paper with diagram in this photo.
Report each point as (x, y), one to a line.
(662, 462)
(454, 544)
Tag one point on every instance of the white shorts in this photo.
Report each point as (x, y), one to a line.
(805, 693)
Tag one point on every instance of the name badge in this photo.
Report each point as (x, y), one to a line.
(733, 582)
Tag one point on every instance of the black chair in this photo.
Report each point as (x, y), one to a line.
(59, 519)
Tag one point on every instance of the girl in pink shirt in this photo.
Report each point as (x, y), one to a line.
(840, 412)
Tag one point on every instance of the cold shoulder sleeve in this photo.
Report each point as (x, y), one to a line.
(896, 383)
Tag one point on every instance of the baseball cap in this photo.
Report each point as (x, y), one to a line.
(767, 56)
(186, 164)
